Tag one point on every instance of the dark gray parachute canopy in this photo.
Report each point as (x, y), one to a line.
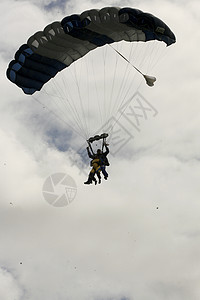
(61, 43)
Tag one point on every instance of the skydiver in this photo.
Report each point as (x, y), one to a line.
(96, 169)
(103, 160)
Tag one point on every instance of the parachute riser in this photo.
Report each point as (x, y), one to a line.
(104, 142)
(90, 147)
(96, 138)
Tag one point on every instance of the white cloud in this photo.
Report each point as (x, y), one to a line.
(136, 236)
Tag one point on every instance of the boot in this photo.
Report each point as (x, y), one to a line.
(89, 181)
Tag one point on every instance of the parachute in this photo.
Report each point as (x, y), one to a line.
(64, 45)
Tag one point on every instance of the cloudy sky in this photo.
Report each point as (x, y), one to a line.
(135, 236)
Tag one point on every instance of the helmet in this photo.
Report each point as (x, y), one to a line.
(99, 151)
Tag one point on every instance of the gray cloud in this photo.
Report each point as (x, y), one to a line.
(10, 288)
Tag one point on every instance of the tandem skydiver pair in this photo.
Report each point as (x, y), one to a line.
(99, 160)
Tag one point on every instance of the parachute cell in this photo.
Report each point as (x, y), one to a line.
(61, 43)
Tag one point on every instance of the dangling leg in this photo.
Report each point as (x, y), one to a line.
(97, 169)
(91, 177)
(99, 176)
(103, 169)
(94, 179)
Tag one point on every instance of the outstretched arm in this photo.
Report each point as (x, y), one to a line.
(107, 150)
